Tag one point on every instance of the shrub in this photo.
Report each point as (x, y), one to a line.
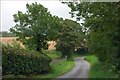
(17, 61)
(82, 50)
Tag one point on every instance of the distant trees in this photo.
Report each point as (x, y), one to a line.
(69, 38)
(103, 39)
(35, 27)
(6, 34)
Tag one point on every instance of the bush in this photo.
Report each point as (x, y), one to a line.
(82, 50)
(16, 61)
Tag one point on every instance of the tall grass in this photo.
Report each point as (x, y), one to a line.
(97, 69)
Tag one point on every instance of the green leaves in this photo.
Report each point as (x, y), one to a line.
(16, 61)
(69, 38)
(35, 27)
(102, 19)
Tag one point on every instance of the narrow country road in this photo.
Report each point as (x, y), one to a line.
(80, 70)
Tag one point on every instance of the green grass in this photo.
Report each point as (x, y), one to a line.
(75, 55)
(52, 54)
(58, 69)
(92, 59)
(97, 70)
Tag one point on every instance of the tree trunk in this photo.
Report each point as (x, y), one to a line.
(38, 47)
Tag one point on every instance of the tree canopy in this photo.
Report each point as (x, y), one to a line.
(103, 20)
(35, 27)
(70, 37)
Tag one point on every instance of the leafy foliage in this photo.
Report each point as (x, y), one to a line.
(102, 20)
(35, 27)
(69, 37)
(82, 50)
(16, 61)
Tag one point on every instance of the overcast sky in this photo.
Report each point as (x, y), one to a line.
(10, 7)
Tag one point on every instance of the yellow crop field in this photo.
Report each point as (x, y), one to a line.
(11, 39)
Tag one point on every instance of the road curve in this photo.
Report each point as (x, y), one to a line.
(80, 70)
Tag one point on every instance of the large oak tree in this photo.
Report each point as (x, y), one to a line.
(35, 27)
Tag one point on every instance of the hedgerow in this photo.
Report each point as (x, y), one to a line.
(18, 61)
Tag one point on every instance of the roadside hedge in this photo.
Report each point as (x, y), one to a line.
(17, 61)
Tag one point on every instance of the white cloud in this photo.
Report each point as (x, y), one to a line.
(8, 8)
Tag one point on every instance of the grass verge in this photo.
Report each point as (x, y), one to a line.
(97, 70)
(58, 69)
(53, 54)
